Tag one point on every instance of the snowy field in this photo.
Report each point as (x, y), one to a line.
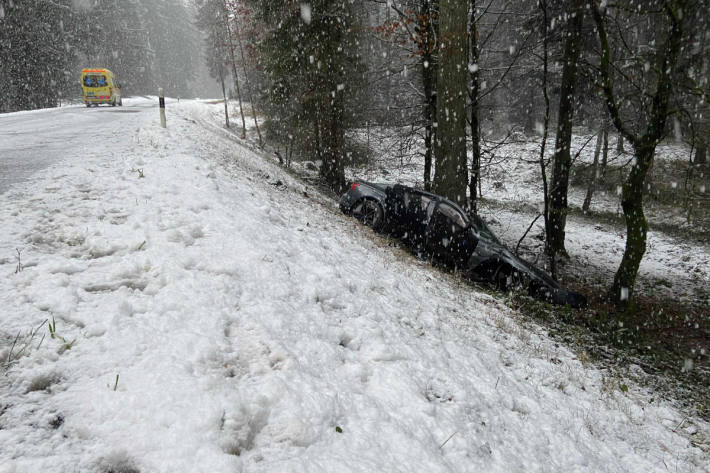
(211, 314)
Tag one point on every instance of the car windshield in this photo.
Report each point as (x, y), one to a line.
(483, 229)
(94, 81)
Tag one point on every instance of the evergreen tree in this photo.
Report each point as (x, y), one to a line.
(38, 57)
(210, 20)
(115, 37)
(310, 56)
(174, 42)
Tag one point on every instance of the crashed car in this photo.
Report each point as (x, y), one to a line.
(434, 226)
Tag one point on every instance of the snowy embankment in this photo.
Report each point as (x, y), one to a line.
(224, 318)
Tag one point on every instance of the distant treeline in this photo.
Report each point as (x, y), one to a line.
(44, 44)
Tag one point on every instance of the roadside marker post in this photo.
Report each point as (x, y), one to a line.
(161, 98)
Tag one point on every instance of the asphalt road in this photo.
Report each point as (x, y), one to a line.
(31, 141)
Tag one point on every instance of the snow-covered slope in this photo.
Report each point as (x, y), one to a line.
(222, 318)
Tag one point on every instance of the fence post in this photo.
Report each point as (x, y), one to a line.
(161, 98)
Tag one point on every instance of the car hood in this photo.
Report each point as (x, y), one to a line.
(554, 293)
(493, 248)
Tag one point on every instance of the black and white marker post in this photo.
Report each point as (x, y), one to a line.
(161, 98)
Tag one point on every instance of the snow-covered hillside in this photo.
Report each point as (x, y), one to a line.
(212, 314)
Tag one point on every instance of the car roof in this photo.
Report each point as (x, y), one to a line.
(384, 186)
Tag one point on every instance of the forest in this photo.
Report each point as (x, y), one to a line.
(44, 44)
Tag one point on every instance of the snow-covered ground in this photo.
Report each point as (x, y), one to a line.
(211, 314)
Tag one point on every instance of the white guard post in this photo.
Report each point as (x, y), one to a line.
(161, 98)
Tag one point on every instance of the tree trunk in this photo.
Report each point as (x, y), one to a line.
(331, 134)
(475, 124)
(644, 145)
(249, 91)
(597, 171)
(224, 94)
(701, 153)
(620, 144)
(562, 160)
(543, 171)
(529, 127)
(429, 113)
(636, 227)
(429, 82)
(427, 34)
(451, 173)
(234, 68)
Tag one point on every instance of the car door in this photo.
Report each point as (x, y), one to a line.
(415, 210)
(407, 216)
(448, 235)
(395, 210)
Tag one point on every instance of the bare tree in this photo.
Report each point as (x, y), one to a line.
(643, 141)
(235, 74)
(602, 147)
(557, 218)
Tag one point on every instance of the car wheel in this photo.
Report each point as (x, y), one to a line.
(370, 213)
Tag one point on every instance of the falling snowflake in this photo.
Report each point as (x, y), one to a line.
(306, 13)
(624, 296)
(687, 365)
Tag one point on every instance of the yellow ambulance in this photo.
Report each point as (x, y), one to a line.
(100, 86)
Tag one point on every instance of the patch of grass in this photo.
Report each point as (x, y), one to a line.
(54, 335)
(22, 344)
(668, 340)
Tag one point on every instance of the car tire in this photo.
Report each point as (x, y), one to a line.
(370, 213)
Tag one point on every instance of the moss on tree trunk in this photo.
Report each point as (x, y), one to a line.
(636, 227)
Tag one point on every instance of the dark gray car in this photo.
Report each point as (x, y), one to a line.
(434, 226)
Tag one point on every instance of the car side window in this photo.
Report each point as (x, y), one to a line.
(416, 203)
(457, 220)
(425, 202)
